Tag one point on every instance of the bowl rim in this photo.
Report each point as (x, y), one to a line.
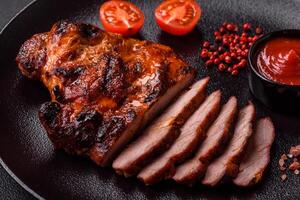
(259, 42)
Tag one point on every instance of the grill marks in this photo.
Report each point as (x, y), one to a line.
(86, 69)
(191, 134)
(153, 86)
(76, 136)
(71, 73)
(112, 81)
(103, 79)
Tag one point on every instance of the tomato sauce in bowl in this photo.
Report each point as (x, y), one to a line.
(274, 72)
(279, 60)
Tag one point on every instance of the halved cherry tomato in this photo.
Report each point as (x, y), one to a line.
(121, 17)
(178, 17)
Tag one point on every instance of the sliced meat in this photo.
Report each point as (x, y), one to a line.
(227, 165)
(217, 135)
(257, 155)
(163, 131)
(131, 125)
(192, 132)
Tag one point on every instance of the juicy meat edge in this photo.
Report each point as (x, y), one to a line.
(257, 156)
(217, 136)
(192, 133)
(226, 166)
(162, 132)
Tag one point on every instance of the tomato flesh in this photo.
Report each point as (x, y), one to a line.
(121, 17)
(178, 17)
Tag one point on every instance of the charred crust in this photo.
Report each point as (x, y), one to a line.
(156, 87)
(113, 65)
(69, 73)
(49, 111)
(32, 56)
(80, 85)
(131, 115)
(61, 27)
(89, 31)
(112, 80)
(153, 95)
(88, 116)
(86, 126)
(110, 128)
(74, 136)
(57, 93)
(138, 67)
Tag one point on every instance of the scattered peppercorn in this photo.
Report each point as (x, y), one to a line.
(247, 26)
(222, 67)
(206, 44)
(258, 30)
(230, 48)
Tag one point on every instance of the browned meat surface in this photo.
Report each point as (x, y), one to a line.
(257, 155)
(192, 133)
(217, 136)
(162, 132)
(103, 87)
(227, 165)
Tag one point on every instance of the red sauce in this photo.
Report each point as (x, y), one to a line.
(279, 60)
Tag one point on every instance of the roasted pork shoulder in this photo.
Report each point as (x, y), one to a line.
(104, 88)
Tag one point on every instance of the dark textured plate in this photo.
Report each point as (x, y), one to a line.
(28, 155)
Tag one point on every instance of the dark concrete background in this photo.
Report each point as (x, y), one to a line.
(9, 188)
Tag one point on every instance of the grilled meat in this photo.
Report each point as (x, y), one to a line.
(217, 136)
(103, 87)
(257, 155)
(162, 132)
(192, 133)
(227, 165)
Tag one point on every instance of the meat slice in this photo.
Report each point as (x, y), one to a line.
(227, 165)
(217, 136)
(192, 132)
(103, 87)
(257, 155)
(162, 132)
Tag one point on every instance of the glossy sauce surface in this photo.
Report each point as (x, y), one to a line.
(279, 60)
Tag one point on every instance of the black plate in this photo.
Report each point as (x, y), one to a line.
(28, 155)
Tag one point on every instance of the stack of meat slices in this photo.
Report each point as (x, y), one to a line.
(211, 144)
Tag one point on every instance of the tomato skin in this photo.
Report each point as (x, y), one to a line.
(173, 28)
(123, 25)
